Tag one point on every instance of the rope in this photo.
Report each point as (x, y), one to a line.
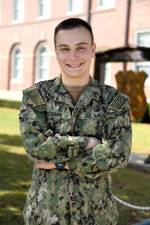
(131, 205)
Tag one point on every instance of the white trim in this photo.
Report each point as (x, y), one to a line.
(108, 74)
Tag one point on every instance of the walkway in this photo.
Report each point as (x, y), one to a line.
(136, 161)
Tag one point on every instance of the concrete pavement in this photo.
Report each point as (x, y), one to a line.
(136, 161)
(145, 222)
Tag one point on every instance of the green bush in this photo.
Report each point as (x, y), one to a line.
(10, 104)
(146, 117)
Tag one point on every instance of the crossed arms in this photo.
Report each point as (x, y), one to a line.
(83, 154)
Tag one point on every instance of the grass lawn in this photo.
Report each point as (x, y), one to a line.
(15, 174)
(141, 138)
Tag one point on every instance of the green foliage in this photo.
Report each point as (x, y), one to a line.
(146, 117)
(10, 104)
(15, 177)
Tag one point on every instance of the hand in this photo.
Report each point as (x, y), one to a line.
(41, 164)
(92, 142)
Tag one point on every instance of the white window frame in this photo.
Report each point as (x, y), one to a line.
(77, 7)
(38, 66)
(14, 68)
(106, 4)
(140, 32)
(147, 81)
(20, 8)
(47, 13)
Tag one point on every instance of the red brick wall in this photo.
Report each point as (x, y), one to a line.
(108, 27)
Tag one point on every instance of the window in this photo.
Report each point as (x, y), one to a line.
(42, 63)
(17, 65)
(106, 3)
(18, 10)
(143, 39)
(44, 8)
(75, 6)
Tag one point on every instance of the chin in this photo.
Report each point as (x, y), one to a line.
(75, 75)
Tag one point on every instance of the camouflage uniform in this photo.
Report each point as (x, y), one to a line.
(55, 128)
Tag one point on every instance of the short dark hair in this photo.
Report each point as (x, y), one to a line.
(73, 23)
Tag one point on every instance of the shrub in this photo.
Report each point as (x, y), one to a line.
(146, 117)
(10, 104)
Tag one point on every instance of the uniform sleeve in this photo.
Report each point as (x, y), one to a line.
(40, 141)
(113, 152)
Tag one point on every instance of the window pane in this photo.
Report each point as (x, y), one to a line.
(16, 64)
(143, 39)
(42, 63)
(18, 9)
(143, 67)
(75, 6)
(106, 3)
(44, 8)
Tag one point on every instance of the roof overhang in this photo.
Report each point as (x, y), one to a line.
(124, 54)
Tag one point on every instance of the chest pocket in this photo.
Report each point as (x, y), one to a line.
(91, 125)
(58, 117)
(59, 123)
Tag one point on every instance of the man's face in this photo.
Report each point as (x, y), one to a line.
(74, 52)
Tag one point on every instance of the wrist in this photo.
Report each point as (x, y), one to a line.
(60, 166)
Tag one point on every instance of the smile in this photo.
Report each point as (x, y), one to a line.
(74, 65)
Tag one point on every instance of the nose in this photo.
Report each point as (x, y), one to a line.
(73, 55)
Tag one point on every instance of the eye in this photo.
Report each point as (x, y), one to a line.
(81, 48)
(64, 49)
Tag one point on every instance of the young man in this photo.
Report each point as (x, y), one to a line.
(77, 131)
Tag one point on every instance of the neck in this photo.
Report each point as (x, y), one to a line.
(75, 81)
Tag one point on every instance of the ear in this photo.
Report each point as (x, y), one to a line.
(93, 49)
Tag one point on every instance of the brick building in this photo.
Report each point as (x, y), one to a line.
(26, 37)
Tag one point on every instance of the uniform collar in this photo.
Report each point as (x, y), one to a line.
(60, 94)
(90, 93)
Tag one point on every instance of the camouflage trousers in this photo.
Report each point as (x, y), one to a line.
(62, 198)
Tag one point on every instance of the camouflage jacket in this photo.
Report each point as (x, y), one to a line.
(55, 128)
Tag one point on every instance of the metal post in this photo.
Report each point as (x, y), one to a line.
(89, 11)
(127, 29)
